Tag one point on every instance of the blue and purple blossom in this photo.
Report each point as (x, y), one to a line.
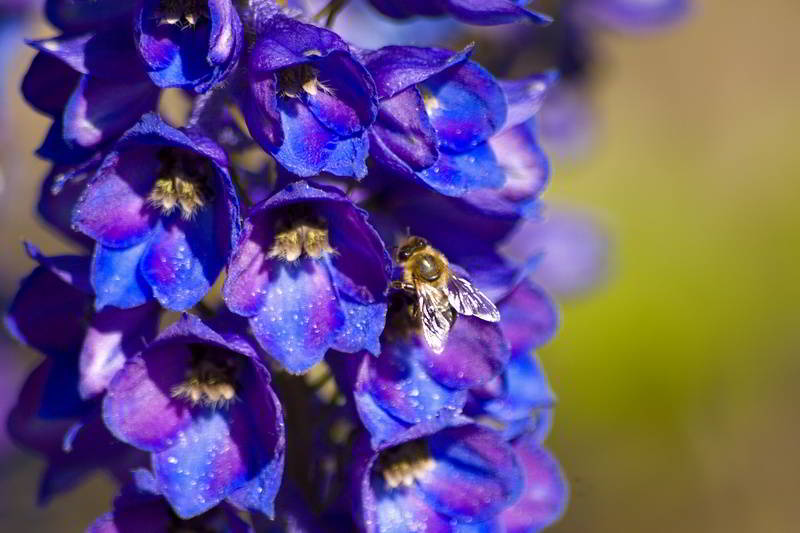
(308, 100)
(447, 122)
(573, 247)
(164, 214)
(202, 406)
(520, 398)
(311, 275)
(192, 44)
(456, 479)
(545, 493)
(74, 442)
(57, 414)
(101, 90)
(88, 346)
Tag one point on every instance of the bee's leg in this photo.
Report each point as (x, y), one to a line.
(403, 286)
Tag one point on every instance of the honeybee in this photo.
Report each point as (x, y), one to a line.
(439, 293)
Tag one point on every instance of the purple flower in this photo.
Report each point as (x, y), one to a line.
(409, 384)
(86, 15)
(364, 27)
(446, 121)
(193, 44)
(307, 100)
(164, 213)
(528, 320)
(566, 120)
(453, 480)
(88, 346)
(310, 273)
(56, 414)
(140, 507)
(545, 493)
(93, 85)
(482, 12)
(573, 247)
(74, 443)
(202, 406)
(631, 15)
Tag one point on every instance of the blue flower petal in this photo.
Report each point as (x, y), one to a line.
(455, 174)
(183, 261)
(476, 474)
(382, 426)
(466, 105)
(402, 137)
(400, 511)
(309, 148)
(491, 12)
(48, 83)
(100, 110)
(398, 383)
(116, 277)
(301, 316)
(363, 325)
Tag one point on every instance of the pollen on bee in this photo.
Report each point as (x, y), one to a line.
(305, 235)
(207, 382)
(406, 463)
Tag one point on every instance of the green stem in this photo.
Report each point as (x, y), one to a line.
(330, 11)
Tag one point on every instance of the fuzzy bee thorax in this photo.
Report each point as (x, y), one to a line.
(427, 266)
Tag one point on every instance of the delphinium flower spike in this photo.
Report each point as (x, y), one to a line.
(338, 228)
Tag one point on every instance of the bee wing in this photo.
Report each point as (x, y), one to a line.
(435, 315)
(469, 301)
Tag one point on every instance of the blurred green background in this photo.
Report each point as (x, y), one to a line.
(678, 377)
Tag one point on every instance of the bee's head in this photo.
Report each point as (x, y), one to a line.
(409, 247)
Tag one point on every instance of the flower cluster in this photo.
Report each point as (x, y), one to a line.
(293, 311)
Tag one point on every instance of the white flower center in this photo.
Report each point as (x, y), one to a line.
(406, 463)
(305, 235)
(182, 13)
(298, 79)
(209, 382)
(177, 188)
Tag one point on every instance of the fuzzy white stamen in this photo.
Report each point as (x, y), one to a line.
(297, 79)
(303, 236)
(182, 13)
(209, 383)
(178, 189)
(405, 464)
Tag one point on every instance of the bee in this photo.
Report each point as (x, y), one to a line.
(439, 293)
